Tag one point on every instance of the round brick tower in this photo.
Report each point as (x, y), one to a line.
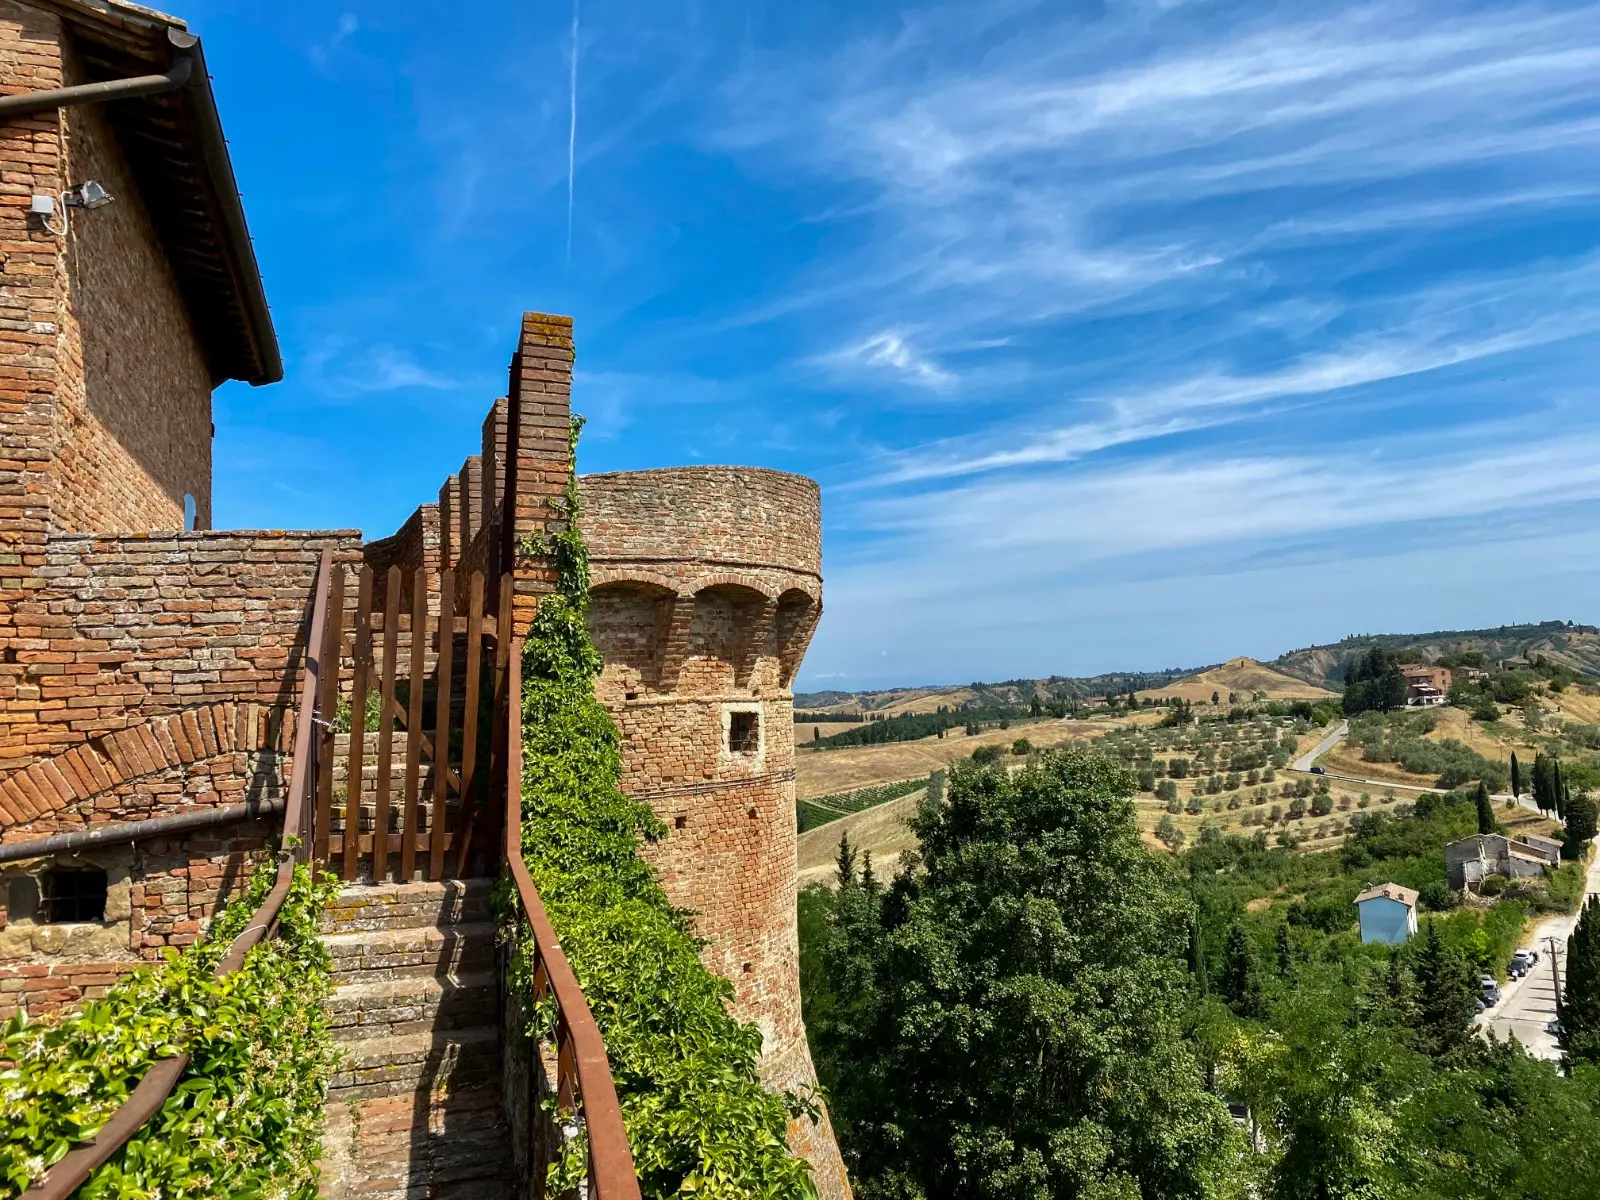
(707, 586)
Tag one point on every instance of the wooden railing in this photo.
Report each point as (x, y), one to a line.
(405, 793)
(67, 1175)
(586, 1098)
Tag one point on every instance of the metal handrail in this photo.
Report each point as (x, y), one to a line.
(162, 1076)
(583, 1082)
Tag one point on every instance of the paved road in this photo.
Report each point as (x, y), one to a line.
(1304, 763)
(1529, 1005)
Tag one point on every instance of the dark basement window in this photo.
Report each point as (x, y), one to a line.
(744, 732)
(72, 894)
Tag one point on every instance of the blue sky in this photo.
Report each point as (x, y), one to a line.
(1119, 335)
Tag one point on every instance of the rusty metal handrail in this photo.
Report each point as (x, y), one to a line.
(583, 1082)
(145, 1101)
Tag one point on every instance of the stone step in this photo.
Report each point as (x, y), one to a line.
(412, 1146)
(367, 906)
(411, 1004)
(447, 1063)
(369, 955)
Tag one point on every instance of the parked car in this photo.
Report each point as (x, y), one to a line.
(1517, 968)
(1491, 990)
(1319, 770)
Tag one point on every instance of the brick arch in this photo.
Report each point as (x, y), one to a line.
(738, 579)
(797, 612)
(103, 764)
(611, 576)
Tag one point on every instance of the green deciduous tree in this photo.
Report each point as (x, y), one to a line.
(1021, 1032)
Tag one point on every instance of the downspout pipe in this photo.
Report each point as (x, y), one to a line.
(138, 831)
(111, 89)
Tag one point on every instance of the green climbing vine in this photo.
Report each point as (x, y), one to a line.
(699, 1121)
(245, 1120)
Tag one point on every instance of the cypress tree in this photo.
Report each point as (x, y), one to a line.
(1447, 997)
(1580, 999)
(1197, 958)
(1285, 953)
(1558, 798)
(1240, 979)
(846, 862)
(1516, 777)
(869, 881)
(1485, 809)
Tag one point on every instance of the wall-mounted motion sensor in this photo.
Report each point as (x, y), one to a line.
(45, 206)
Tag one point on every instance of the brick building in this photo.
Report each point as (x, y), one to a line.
(1426, 685)
(149, 664)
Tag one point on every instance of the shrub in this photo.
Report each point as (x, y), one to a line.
(245, 1119)
(986, 754)
(1023, 747)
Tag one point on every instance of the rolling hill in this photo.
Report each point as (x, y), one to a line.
(1241, 677)
(1577, 646)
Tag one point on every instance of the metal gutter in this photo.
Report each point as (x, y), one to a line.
(99, 93)
(135, 831)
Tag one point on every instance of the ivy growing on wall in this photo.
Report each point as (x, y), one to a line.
(698, 1120)
(245, 1120)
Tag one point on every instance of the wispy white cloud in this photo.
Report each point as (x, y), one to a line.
(340, 371)
(891, 352)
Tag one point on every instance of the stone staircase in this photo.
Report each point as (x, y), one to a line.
(415, 1109)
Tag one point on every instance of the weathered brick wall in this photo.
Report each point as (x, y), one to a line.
(32, 290)
(112, 631)
(161, 892)
(707, 588)
(105, 401)
(692, 567)
(135, 389)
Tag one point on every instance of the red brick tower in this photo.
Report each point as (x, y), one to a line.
(707, 588)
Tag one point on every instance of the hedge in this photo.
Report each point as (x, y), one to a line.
(245, 1120)
(699, 1122)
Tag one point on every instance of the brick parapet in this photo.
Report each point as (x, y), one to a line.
(110, 631)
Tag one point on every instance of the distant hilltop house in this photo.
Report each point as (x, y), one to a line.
(1472, 860)
(1426, 686)
(1388, 913)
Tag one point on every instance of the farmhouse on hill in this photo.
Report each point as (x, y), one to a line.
(1426, 686)
(1470, 861)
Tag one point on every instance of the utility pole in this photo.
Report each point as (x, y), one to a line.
(1555, 971)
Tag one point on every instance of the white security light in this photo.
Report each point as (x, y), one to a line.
(87, 194)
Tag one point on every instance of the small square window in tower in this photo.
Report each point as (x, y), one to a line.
(744, 732)
(69, 894)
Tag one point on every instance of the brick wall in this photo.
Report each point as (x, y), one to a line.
(32, 290)
(105, 404)
(699, 573)
(160, 893)
(135, 392)
(112, 631)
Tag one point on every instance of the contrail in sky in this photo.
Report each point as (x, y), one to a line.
(572, 127)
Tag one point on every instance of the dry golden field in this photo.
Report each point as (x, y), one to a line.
(1244, 677)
